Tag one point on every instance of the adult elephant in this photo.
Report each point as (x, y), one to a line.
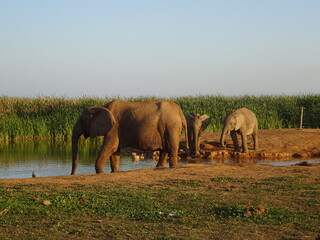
(151, 125)
(196, 125)
(244, 122)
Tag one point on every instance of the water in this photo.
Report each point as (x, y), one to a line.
(19, 160)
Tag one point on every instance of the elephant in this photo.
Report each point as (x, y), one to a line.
(151, 125)
(196, 124)
(244, 122)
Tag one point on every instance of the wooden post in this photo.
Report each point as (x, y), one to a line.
(301, 117)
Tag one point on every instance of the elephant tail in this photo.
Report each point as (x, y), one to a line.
(184, 125)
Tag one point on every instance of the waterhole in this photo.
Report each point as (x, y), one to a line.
(53, 158)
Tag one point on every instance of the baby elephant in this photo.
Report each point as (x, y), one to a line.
(244, 122)
(196, 124)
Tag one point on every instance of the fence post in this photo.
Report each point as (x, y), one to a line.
(301, 117)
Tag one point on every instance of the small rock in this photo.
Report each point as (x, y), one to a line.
(97, 221)
(229, 188)
(46, 202)
(260, 210)
(305, 155)
(170, 214)
(84, 201)
(304, 163)
(211, 155)
(207, 146)
(247, 213)
(255, 210)
(4, 211)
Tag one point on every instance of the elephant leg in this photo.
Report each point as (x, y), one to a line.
(115, 161)
(105, 153)
(173, 154)
(255, 140)
(244, 142)
(101, 160)
(173, 160)
(173, 147)
(162, 159)
(235, 141)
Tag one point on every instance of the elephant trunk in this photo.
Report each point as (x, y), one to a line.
(191, 142)
(196, 144)
(76, 133)
(193, 137)
(222, 138)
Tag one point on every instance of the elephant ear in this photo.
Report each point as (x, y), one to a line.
(239, 121)
(103, 121)
(205, 122)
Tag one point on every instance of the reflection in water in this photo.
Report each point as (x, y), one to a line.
(53, 158)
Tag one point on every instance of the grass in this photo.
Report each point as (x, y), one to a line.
(183, 210)
(47, 117)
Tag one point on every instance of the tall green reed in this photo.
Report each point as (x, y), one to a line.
(49, 117)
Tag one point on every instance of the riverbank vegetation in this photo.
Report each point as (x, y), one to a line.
(51, 117)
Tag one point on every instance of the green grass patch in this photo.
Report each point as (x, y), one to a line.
(229, 179)
(290, 183)
(190, 183)
(274, 216)
(285, 178)
(178, 209)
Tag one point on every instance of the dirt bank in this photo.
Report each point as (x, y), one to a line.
(280, 144)
(152, 176)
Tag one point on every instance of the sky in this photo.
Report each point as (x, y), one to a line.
(164, 48)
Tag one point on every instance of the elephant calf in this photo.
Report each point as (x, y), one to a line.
(196, 125)
(244, 122)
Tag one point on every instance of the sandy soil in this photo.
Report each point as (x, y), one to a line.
(280, 144)
(152, 176)
(295, 143)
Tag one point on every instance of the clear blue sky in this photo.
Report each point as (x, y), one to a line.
(162, 48)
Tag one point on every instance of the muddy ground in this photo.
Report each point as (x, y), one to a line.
(302, 144)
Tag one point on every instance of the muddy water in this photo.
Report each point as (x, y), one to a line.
(45, 158)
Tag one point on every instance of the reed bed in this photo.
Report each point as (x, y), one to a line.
(53, 118)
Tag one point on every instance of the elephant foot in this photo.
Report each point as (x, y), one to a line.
(115, 169)
(160, 165)
(174, 166)
(99, 170)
